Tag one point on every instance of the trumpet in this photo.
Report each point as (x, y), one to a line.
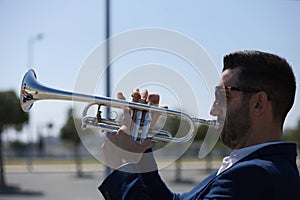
(32, 91)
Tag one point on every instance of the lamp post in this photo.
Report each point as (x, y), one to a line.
(30, 49)
(107, 35)
(30, 52)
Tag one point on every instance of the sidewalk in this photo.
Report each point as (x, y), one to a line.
(49, 182)
(52, 182)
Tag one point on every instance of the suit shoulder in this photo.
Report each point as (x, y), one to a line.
(251, 169)
(242, 181)
(281, 180)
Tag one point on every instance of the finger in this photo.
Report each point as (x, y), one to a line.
(153, 99)
(136, 96)
(165, 107)
(126, 113)
(112, 135)
(125, 129)
(136, 90)
(127, 120)
(120, 96)
(144, 96)
(146, 144)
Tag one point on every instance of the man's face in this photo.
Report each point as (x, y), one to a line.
(232, 110)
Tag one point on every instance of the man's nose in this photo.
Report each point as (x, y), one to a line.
(216, 109)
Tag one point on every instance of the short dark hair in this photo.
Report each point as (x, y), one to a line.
(269, 73)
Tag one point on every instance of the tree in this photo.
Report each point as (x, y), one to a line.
(172, 125)
(68, 133)
(180, 127)
(11, 116)
(293, 134)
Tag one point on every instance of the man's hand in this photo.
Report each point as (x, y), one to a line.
(120, 147)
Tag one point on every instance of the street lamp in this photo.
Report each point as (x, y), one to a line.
(30, 51)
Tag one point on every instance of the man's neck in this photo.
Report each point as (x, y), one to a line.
(260, 136)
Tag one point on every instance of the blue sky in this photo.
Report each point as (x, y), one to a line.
(72, 30)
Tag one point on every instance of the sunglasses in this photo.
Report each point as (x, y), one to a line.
(220, 91)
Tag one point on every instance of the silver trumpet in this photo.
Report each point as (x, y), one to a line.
(32, 90)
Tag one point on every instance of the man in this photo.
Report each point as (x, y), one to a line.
(259, 91)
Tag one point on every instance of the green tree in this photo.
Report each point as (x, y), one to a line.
(293, 134)
(179, 127)
(69, 134)
(11, 116)
(172, 125)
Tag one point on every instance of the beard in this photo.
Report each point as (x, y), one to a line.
(236, 126)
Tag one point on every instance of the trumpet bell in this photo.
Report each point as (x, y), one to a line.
(27, 94)
(32, 91)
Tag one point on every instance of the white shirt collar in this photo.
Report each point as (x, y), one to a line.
(237, 155)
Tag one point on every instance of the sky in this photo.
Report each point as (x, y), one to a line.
(73, 29)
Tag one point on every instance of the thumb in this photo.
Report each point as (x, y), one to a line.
(146, 144)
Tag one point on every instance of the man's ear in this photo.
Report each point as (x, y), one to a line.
(259, 103)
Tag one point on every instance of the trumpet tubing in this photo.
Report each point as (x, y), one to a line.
(32, 91)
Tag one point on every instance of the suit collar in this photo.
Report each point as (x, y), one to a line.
(288, 150)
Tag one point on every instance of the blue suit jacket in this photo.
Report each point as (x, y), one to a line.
(268, 173)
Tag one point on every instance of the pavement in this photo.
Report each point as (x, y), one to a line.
(59, 182)
(49, 182)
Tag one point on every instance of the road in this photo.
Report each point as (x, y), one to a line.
(60, 182)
